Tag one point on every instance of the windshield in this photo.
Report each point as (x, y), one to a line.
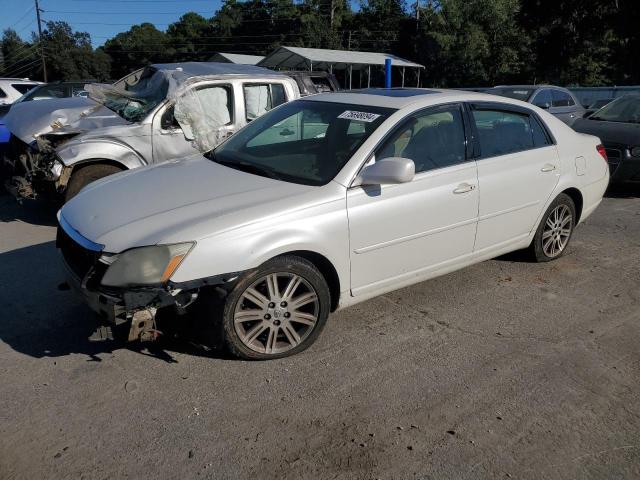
(133, 100)
(304, 142)
(624, 109)
(517, 93)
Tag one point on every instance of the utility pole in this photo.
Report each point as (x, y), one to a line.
(44, 63)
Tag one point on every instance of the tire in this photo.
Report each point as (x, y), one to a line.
(85, 175)
(558, 222)
(269, 327)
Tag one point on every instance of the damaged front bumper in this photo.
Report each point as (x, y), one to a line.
(34, 169)
(119, 306)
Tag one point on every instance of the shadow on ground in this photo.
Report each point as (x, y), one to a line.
(43, 318)
(35, 212)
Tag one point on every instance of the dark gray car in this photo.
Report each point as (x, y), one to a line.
(557, 100)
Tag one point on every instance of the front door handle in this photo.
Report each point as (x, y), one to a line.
(549, 167)
(464, 188)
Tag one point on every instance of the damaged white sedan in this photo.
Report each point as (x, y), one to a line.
(162, 112)
(323, 203)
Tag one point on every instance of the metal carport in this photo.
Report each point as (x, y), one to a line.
(237, 58)
(299, 58)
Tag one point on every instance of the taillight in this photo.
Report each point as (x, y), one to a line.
(602, 152)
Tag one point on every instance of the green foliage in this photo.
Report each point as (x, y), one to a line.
(460, 42)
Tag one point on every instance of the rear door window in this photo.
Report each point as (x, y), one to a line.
(562, 99)
(543, 99)
(501, 132)
(260, 98)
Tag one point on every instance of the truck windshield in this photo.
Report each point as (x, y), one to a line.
(133, 100)
(304, 142)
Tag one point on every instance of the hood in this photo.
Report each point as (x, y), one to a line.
(610, 132)
(26, 120)
(177, 201)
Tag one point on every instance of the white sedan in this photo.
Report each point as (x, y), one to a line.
(323, 203)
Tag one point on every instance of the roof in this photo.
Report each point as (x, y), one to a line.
(195, 69)
(297, 57)
(391, 97)
(236, 58)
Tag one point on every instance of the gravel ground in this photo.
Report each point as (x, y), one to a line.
(507, 369)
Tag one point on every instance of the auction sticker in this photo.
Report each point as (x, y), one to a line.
(359, 116)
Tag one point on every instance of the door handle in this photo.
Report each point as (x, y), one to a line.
(464, 188)
(548, 168)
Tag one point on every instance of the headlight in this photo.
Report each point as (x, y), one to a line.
(145, 265)
(635, 151)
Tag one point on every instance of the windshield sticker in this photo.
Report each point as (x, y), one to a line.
(358, 116)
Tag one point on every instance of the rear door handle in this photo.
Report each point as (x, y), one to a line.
(464, 188)
(548, 168)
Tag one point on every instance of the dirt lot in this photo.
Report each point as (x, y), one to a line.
(507, 369)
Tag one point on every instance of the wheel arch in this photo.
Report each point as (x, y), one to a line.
(326, 268)
(578, 200)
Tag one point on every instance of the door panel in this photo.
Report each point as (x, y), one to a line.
(401, 230)
(518, 170)
(513, 190)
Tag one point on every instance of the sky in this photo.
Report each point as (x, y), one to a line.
(102, 19)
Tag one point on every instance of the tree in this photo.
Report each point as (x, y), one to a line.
(465, 43)
(70, 55)
(189, 38)
(141, 45)
(20, 58)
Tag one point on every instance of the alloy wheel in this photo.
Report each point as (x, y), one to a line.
(276, 313)
(557, 231)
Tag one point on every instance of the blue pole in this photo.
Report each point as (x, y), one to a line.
(387, 73)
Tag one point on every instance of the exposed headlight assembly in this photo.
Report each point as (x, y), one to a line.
(144, 266)
(635, 152)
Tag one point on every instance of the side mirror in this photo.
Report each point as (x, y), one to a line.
(387, 171)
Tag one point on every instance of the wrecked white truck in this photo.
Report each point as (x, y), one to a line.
(162, 112)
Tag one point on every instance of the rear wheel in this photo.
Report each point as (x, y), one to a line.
(555, 230)
(85, 175)
(275, 311)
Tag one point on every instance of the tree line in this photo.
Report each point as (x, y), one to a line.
(460, 42)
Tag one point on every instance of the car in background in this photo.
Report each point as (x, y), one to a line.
(557, 101)
(265, 235)
(163, 112)
(597, 105)
(311, 83)
(12, 89)
(48, 91)
(618, 126)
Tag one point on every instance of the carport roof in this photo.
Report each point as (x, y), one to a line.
(299, 57)
(237, 58)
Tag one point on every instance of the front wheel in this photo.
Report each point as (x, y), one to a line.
(85, 175)
(275, 311)
(555, 230)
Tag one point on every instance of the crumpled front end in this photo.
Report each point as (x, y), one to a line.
(134, 307)
(34, 169)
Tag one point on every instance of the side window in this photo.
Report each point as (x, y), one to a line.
(502, 132)
(540, 136)
(23, 87)
(562, 99)
(79, 91)
(543, 99)
(432, 139)
(260, 98)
